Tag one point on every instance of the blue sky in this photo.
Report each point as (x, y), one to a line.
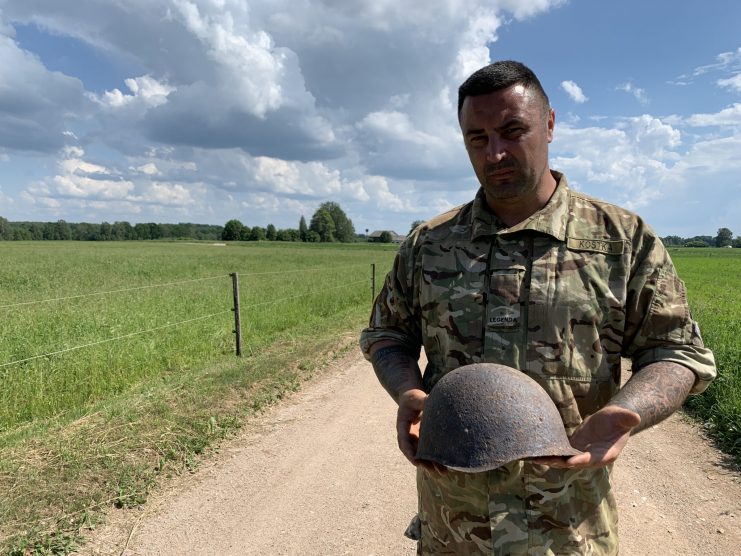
(207, 110)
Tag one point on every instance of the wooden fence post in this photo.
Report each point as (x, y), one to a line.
(373, 282)
(237, 322)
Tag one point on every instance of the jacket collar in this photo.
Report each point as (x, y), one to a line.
(551, 219)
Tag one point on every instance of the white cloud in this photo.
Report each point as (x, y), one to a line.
(574, 91)
(637, 92)
(144, 89)
(730, 116)
(724, 61)
(150, 169)
(281, 104)
(733, 83)
(166, 194)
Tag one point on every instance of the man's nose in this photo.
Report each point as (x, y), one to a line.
(495, 151)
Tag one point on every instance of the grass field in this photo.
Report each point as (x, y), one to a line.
(713, 279)
(314, 283)
(96, 427)
(93, 427)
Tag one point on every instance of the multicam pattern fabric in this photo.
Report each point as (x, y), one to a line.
(561, 296)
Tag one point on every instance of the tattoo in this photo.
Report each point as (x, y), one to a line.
(655, 392)
(397, 370)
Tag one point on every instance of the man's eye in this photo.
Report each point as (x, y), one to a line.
(477, 141)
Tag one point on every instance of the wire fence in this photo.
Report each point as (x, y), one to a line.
(236, 309)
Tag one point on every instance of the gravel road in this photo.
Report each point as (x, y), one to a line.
(321, 475)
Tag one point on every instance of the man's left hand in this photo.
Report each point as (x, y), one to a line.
(601, 437)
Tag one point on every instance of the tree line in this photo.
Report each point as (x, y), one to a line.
(328, 224)
(724, 238)
(105, 231)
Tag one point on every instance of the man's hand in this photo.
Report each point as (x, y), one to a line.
(411, 405)
(650, 396)
(601, 436)
(408, 418)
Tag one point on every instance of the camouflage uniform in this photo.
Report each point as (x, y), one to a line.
(563, 296)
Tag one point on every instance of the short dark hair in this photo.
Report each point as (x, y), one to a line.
(497, 76)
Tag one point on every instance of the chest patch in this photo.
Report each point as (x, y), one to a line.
(606, 246)
(504, 317)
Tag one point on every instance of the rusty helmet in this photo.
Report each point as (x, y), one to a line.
(479, 417)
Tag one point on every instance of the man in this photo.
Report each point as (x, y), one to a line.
(533, 275)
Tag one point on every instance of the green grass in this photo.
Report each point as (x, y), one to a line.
(713, 280)
(282, 286)
(97, 427)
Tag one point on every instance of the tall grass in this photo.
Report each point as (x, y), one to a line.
(283, 286)
(713, 279)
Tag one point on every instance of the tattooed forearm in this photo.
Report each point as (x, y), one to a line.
(655, 392)
(396, 369)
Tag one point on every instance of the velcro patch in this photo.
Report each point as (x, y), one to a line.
(606, 246)
(504, 317)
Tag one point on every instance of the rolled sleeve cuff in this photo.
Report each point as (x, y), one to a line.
(370, 336)
(699, 360)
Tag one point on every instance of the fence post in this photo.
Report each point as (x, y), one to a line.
(237, 323)
(373, 282)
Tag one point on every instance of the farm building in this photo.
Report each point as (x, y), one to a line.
(376, 236)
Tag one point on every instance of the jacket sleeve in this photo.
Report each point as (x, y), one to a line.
(658, 325)
(394, 316)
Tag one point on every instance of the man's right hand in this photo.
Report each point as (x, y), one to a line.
(411, 405)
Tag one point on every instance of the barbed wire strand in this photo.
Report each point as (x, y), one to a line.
(113, 291)
(113, 339)
(135, 288)
(247, 274)
(19, 361)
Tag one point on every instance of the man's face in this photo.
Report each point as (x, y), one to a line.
(506, 134)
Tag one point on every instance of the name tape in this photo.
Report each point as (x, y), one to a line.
(606, 246)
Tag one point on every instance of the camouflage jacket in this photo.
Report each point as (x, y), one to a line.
(563, 296)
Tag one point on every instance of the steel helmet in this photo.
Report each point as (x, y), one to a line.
(481, 416)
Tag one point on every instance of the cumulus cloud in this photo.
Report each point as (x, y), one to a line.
(730, 116)
(574, 91)
(638, 93)
(265, 107)
(34, 102)
(144, 89)
(626, 164)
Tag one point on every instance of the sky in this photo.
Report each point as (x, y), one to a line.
(261, 110)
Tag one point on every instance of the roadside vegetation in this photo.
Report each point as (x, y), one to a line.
(713, 279)
(91, 428)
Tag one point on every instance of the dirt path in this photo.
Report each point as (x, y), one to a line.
(321, 475)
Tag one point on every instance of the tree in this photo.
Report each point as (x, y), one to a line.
(344, 231)
(232, 230)
(323, 225)
(737, 241)
(289, 234)
(724, 237)
(696, 243)
(303, 229)
(271, 233)
(313, 237)
(5, 230)
(257, 233)
(415, 224)
(672, 241)
(385, 237)
(122, 231)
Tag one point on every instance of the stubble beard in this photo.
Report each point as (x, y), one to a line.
(518, 185)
